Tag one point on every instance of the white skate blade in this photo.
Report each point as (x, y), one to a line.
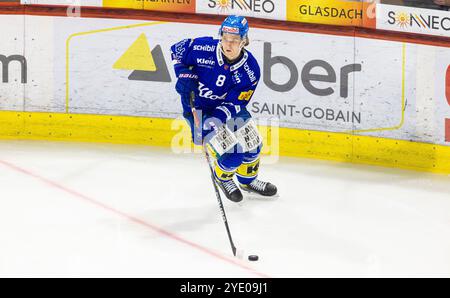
(254, 196)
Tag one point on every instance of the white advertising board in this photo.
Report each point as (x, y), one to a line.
(413, 20)
(266, 9)
(26, 63)
(13, 63)
(309, 81)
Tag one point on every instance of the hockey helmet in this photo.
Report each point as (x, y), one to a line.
(235, 25)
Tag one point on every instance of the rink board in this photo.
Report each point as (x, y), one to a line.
(77, 85)
(161, 132)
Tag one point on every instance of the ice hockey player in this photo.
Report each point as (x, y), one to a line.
(223, 76)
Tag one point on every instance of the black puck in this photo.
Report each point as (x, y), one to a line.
(253, 258)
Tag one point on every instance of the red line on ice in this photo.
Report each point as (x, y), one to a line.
(132, 218)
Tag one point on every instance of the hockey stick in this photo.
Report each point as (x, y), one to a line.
(219, 200)
(208, 159)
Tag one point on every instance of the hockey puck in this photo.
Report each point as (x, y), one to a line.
(253, 258)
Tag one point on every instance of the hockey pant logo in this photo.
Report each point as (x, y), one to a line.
(248, 136)
(224, 139)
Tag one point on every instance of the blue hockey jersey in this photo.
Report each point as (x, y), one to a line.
(220, 83)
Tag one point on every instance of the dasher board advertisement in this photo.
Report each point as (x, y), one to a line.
(413, 20)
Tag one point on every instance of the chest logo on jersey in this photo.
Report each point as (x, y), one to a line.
(204, 61)
(206, 48)
(207, 93)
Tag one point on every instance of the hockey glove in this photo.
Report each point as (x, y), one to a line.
(187, 82)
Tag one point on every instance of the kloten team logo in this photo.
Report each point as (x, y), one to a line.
(146, 65)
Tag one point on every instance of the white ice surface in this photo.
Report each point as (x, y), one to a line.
(70, 209)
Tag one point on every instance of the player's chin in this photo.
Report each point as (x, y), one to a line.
(230, 56)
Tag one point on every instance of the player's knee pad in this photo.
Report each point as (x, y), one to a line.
(231, 160)
(248, 171)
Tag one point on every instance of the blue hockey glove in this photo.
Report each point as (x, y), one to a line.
(187, 82)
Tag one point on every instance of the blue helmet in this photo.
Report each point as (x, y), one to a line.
(234, 25)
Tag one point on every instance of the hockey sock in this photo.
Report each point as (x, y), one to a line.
(248, 171)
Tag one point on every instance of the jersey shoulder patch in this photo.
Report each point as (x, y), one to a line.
(180, 49)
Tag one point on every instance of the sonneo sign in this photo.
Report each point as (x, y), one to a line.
(414, 20)
(267, 9)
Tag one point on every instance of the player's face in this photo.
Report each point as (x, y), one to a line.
(232, 45)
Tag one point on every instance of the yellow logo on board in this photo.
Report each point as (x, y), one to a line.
(137, 57)
(147, 65)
